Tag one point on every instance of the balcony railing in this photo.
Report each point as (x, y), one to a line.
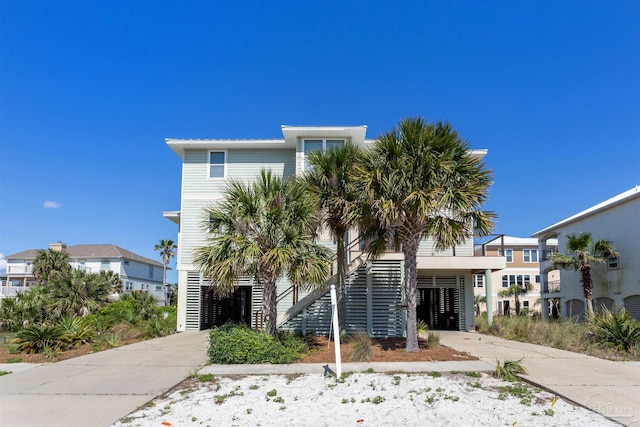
(551, 287)
(19, 269)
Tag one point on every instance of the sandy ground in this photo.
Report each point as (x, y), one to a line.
(362, 399)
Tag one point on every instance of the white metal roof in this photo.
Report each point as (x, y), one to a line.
(607, 204)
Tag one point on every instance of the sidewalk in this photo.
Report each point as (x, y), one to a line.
(100, 388)
(610, 388)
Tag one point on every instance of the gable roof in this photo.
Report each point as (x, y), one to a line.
(627, 196)
(92, 251)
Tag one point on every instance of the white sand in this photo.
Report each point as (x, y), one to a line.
(361, 400)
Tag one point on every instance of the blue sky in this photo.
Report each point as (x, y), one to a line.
(89, 90)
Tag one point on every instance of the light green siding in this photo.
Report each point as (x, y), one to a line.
(199, 191)
(427, 248)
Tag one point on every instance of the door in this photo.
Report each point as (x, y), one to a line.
(438, 308)
(217, 311)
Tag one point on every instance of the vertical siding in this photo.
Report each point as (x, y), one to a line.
(194, 286)
(379, 315)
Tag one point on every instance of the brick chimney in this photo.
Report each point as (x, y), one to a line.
(59, 246)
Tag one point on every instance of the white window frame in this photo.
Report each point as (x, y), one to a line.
(478, 281)
(103, 263)
(527, 253)
(515, 279)
(305, 163)
(508, 254)
(223, 164)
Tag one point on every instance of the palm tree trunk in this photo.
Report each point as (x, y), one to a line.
(410, 251)
(587, 287)
(269, 305)
(164, 282)
(340, 279)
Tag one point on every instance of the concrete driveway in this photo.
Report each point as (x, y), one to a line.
(100, 388)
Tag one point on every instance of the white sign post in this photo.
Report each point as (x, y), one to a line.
(336, 330)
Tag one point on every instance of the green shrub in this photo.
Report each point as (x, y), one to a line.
(36, 338)
(361, 348)
(78, 330)
(433, 340)
(238, 344)
(615, 329)
(422, 327)
(509, 370)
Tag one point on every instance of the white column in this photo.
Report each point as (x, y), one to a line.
(488, 295)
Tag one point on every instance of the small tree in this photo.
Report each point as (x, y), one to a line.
(264, 230)
(166, 248)
(330, 178)
(477, 300)
(78, 293)
(515, 291)
(49, 263)
(420, 180)
(582, 252)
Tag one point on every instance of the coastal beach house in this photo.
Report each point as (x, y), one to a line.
(616, 284)
(374, 294)
(522, 259)
(137, 273)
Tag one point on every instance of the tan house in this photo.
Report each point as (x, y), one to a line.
(522, 258)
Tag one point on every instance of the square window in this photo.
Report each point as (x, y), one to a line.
(323, 145)
(507, 253)
(530, 255)
(217, 164)
(334, 143)
(525, 304)
(478, 281)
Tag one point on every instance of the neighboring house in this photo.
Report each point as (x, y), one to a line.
(375, 301)
(137, 273)
(616, 284)
(522, 259)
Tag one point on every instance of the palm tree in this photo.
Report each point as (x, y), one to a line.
(113, 279)
(420, 180)
(477, 300)
(166, 248)
(516, 291)
(330, 178)
(78, 293)
(265, 230)
(582, 251)
(49, 263)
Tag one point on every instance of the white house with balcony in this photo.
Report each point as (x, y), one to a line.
(374, 292)
(616, 284)
(137, 273)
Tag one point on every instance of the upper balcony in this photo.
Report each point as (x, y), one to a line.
(19, 269)
(456, 258)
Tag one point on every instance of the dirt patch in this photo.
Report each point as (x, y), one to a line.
(385, 350)
(7, 357)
